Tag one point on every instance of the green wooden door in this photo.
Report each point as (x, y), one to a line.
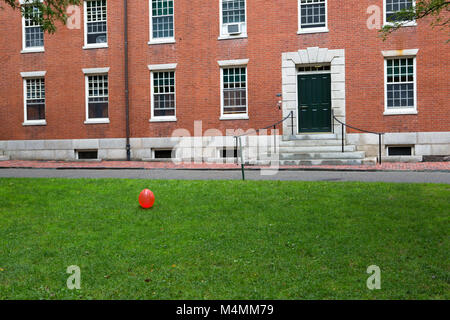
(314, 103)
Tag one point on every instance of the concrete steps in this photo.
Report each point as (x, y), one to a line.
(324, 136)
(311, 162)
(316, 149)
(312, 149)
(311, 143)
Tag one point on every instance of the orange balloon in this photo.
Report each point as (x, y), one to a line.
(146, 198)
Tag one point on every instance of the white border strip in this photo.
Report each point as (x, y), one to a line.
(33, 74)
(95, 70)
(400, 53)
(167, 66)
(227, 63)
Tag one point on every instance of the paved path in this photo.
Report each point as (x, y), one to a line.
(420, 166)
(381, 176)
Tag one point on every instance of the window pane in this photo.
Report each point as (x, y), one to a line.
(164, 93)
(233, 11)
(98, 96)
(35, 111)
(312, 13)
(34, 35)
(96, 21)
(400, 82)
(394, 6)
(162, 19)
(35, 99)
(234, 90)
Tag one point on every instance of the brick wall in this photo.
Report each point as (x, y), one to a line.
(272, 29)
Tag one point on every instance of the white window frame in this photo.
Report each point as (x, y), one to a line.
(412, 23)
(162, 68)
(233, 64)
(94, 45)
(160, 40)
(27, 76)
(95, 72)
(311, 30)
(24, 48)
(400, 54)
(225, 35)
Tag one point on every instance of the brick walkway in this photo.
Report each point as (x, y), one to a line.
(421, 166)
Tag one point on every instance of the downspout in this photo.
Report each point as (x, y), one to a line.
(127, 98)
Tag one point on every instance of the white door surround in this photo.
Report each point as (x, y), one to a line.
(292, 60)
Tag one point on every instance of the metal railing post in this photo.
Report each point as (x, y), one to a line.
(292, 123)
(379, 148)
(332, 120)
(237, 150)
(274, 137)
(362, 130)
(242, 159)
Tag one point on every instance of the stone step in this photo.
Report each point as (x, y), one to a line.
(313, 162)
(370, 160)
(4, 158)
(316, 136)
(314, 149)
(402, 159)
(323, 155)
(311, 143)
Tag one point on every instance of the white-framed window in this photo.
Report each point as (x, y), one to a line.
(34, 98)
(163, 92)
(400, 85)
(234, 90)
(391, 7)
(32, 32)
(95, 24)
(97, 95)
(162, 26)
(233, 19)
(312, 16)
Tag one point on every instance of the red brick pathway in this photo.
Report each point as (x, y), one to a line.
(421, 166)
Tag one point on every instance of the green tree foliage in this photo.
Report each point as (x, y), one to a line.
(51, 11)
(438, 10)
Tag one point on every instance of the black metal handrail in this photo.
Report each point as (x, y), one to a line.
(290, 115)
(272, 126)
(354, 128)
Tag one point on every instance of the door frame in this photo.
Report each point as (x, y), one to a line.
(290, 61)
(297, 101)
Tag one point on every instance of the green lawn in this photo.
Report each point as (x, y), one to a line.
(223, 239)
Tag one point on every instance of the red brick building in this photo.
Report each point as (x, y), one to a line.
(224, 63)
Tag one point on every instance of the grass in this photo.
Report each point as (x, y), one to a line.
(223, 239)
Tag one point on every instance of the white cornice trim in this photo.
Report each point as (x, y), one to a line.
(228, 63)
(33, 74)
(399, 53)
(167, 66)
(95, 70)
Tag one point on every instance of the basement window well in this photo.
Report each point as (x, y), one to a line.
(229, 153)
(399, 150)
(162, 153)
(87, 154)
